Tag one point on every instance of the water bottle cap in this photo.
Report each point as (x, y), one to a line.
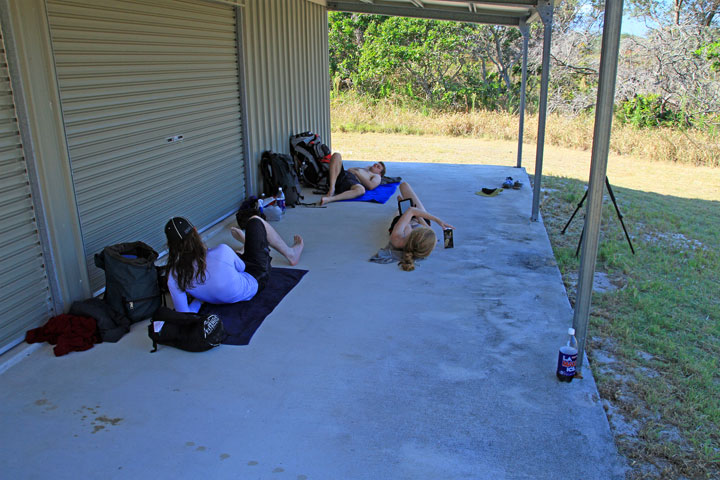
(571, 331)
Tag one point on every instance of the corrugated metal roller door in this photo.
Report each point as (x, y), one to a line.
(133, 74)
(25, 300)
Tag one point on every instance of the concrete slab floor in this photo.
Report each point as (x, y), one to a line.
(362, 372)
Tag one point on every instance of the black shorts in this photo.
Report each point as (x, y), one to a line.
(345, 181)
(257, 252)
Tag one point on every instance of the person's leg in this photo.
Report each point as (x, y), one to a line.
(238, 234)
(292, 254)
(406, 191)
(257, 252)
(333, 172)
(354, 192)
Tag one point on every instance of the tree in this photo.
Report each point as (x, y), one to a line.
(412, 54)
(574, 56)
(701, 13)
(346, 38)
(502, 48)
(676, 64)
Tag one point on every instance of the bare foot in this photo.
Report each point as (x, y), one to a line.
(328, 197)
(296, 250)
(237, 234)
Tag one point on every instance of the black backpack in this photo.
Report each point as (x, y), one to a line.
(312, 159)
(131, 279)
(192, 332)
(278, 170)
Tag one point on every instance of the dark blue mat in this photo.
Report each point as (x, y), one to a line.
(380, 194)
(242, 319)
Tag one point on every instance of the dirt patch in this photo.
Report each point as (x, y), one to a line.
(630, 419)
(675, 240)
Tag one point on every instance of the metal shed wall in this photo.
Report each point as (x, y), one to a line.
(287, 79)
(133, 74)
(25, 298)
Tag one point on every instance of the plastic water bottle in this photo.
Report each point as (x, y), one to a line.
(280, 199)
(567, 358)
(266, 201)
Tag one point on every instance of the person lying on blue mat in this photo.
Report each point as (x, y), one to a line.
(218, 275)
(351, 183)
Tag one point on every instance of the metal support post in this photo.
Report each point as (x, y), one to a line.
(525, 30)
(546, 14)
(598, 168)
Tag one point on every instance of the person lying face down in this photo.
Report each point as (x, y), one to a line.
(411, 231)
(217, 275)
(351, 183)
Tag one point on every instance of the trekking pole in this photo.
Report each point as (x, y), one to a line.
(579, 205)
(620, 217)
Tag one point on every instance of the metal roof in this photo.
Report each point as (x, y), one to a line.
(495, 12)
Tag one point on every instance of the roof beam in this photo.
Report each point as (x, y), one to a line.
(427, 12)
(504, 3)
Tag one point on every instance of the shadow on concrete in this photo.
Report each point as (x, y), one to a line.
(362, 372)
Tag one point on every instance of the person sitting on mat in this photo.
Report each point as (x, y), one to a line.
(217, 275)
(411, 232)
(351, 183)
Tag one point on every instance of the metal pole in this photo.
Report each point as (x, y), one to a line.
(525, 30)
(598, 168)
(546, 14)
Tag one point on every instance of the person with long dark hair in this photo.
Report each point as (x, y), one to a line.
(217, 275)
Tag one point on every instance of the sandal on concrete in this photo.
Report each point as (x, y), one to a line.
(488, 192)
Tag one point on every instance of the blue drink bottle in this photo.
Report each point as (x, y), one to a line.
(567, 358)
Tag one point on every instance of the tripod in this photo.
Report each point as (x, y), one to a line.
(617, 210)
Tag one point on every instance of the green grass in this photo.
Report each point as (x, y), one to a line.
(665, 320)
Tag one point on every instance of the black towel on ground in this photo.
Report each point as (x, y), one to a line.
(241, 319)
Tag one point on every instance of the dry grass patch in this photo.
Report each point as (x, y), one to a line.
(351, 114)
(637, 173)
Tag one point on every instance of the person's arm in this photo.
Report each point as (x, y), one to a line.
(237, 261)
(397, 236)
(373, 181)
(368, 179)
(179, 297)
(428, 216)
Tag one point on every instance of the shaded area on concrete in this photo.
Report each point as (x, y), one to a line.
(362, 371)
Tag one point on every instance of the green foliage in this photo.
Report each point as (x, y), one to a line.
(648, 111)
(433, 62)
(711, 52)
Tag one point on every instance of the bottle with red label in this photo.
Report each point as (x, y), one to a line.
(567, 358)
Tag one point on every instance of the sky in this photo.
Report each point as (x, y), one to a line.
(633, 26)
